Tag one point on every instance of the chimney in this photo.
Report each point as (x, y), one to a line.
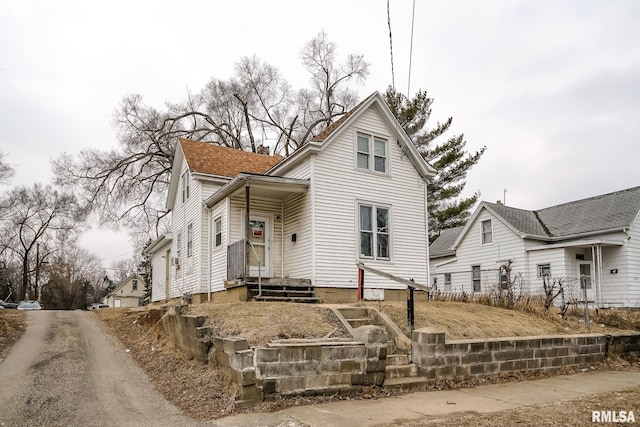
(499, 202)
(261, 149)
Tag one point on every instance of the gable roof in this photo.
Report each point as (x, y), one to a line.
(442, 245)
(211, 159)
(578, 219)
(332, 131)
(125, 281)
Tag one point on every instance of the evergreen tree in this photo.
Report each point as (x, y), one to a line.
(450, 159)
(144, 271)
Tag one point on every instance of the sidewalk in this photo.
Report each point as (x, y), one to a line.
(482, 399)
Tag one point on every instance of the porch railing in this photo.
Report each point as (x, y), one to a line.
(237, 260)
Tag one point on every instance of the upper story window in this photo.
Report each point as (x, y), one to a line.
(217, 229)
(372, 153)
(487, 232)
(134, 285)
(189, 240)
(374, 232)
(185, 186)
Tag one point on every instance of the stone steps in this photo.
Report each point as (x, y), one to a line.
(405, 383)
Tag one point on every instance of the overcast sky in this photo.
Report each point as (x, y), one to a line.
(550, 87)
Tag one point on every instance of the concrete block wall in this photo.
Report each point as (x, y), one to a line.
(624, 345)
(188, 332)
(437, 359)
(235, 360)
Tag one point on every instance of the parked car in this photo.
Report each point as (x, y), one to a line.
(29, 305)
(6, 304)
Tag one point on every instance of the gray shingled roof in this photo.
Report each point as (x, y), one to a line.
(612, 211)
(606, 212)
(442, 245)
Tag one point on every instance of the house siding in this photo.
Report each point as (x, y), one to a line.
(219, 254)
(297, 220)
(159, 273)
(630, 285)
(339, 186)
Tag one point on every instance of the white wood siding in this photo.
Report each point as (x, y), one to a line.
(297, 220)
(337, 188)
(158, 273)
(219, 254)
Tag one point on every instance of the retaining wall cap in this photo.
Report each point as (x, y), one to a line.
(429, 331)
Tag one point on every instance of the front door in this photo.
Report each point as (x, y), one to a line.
(584, 270)
(260, 248)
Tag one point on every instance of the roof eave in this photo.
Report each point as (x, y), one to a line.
(243, 179)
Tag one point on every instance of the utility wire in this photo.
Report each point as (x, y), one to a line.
(413, 16)
(393, 77)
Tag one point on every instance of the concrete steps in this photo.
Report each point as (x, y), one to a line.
(405, 383)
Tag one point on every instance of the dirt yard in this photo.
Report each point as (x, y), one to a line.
(12, 326)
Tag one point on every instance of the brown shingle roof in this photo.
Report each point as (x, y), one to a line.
(333, 126)
(214, 159)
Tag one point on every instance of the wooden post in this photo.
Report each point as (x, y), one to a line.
(410, 307)
(583, 285)
(360, 284)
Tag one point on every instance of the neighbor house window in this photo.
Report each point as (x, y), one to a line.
(374, 232)
(544, 270)
(371, 153)
(217, 227)
(487, 234)
(185, 186)
(134, 285)
(503, 279)
(189, 240)
(475, 278)
(447, 282)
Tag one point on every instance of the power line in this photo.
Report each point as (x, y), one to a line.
(413, 16)
(393, 77)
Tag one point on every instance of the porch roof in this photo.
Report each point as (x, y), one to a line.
(271, 187)
(577, 243)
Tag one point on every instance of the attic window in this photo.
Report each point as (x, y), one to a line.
(185, 186)
(371, 153)
(487, 232)
(134, 285)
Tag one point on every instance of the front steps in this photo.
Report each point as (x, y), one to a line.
(400, 373)
(281, 290)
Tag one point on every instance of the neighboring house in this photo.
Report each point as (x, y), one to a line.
(129, 293)
(354, 193)
(595, 240)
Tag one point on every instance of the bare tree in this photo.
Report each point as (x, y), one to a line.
(6, 170)
(551, 291)
(127, 186)
(36, 215)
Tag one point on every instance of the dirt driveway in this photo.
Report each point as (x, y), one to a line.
(66, 371)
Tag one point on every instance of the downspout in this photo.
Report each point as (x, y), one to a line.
(247, 232)
(209, 272)
(282, 238)
(426, 228)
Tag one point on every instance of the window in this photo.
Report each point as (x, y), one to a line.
(475, 278)
(447, 282)
(217, 229)
(503, 279)
(189, 240)
(371, 153)
(544, 270)
(179, 246)
(487, 234)
(185, 186)
(134, 285)
(374, 232)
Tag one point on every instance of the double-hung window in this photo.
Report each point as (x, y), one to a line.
(372, 153)
(544, 270)
(374, 232)
(185, 186)
(217, 229)
(134, 285)
(189, 240)
(476, 278)
(487, 232)
(447, 282)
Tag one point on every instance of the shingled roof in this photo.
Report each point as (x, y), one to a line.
(214, 159)
(612, 211)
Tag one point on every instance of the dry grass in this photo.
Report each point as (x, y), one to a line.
(12, 326)
(264, 322)
(460, 320)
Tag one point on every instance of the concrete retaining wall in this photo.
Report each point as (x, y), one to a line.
(304, 367)
(187, 332)
(437, 359)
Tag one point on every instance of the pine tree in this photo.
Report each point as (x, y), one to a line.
(450, 159)
(144, 271)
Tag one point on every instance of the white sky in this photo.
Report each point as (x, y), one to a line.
(550, 87)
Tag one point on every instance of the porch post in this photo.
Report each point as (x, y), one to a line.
(247, 232)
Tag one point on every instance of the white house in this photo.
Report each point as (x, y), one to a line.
(354, 193)
(128, 293)
(597, 239)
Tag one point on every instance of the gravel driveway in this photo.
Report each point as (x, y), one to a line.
(66, 371)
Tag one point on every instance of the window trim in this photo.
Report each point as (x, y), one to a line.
(134, 284)
(179, 246)
(483, 233)
(447, 283)
(186, 186)
(371, 154)
(374, 232)
(540, 269)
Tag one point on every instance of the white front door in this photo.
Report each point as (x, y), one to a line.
(584, 269)
(260, 248)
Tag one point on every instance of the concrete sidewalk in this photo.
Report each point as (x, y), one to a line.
(482, 399)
